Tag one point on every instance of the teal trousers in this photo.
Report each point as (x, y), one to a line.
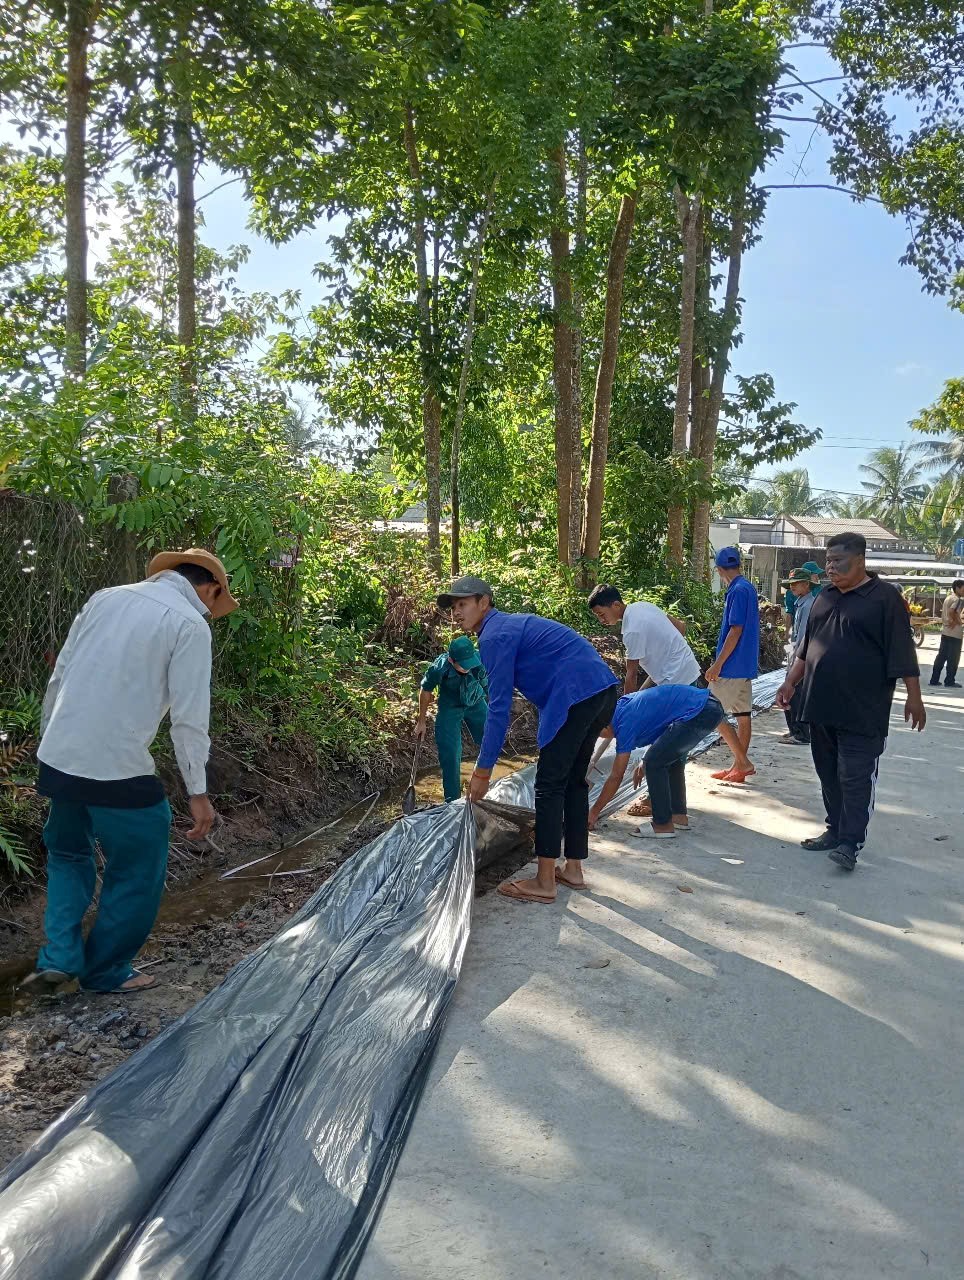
(135, 845)
(448, 740)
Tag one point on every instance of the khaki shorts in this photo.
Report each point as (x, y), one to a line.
(735, 694)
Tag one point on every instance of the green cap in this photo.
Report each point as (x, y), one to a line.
(812, 567)
(464, 652)
(797, 575)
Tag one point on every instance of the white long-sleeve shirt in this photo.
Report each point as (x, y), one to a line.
(133, 654)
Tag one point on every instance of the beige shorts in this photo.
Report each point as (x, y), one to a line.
(735, 694)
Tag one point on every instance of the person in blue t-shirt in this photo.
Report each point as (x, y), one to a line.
(674, 718)
(737, 663)
(575, 693)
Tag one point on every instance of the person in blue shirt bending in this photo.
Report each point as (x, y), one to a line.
(575, 693)
(737, 663)
(673, 718)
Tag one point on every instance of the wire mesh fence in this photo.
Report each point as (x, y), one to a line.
(51, 560)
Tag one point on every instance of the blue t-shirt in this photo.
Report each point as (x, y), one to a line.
(742, 609)
(550, 664)
(641, 717)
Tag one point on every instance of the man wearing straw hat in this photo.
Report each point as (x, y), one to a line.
(133, 654)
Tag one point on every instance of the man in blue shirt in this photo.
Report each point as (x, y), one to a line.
(674, 718)
(737, 663)
(575, 693)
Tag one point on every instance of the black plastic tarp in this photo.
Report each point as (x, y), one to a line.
(255, 1138)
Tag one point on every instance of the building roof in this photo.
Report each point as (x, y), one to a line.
(880, 562)
(826, 527)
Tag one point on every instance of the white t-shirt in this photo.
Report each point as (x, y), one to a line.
(654, 642)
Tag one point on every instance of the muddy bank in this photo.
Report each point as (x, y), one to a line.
(52, 1050)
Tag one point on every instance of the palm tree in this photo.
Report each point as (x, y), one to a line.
(895, 486)
(944, 457)
(849, 507)
(791, 495)
(938, 522)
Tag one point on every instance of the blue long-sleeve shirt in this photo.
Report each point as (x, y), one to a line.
(550, 664)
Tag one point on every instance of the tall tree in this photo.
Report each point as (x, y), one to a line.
(605, 377)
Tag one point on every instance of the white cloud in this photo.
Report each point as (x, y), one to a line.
(911, 367)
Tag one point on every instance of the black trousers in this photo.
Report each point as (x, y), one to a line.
(846, 764)
(949, 652)
(562, 792)
(799, 728)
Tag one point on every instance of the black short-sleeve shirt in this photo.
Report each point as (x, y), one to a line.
(857, 644)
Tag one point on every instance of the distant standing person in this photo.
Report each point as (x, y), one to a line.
(133, 654)
(798, 581)
(858, 643)
(575, 693)
(952, 633)
(462, 699)
(653, 641)
(791, 597)
(737, 663)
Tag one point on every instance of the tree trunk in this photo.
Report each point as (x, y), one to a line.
(80, 19)
(464, 379)
(605, 377)
(431, 405)
(123, 487)
(689, 210)
(721, 363)
(576, 494)
(563, 352)
(185, 165)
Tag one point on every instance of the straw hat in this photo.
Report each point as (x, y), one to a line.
(226, 603)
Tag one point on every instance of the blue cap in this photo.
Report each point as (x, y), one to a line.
(728, 558)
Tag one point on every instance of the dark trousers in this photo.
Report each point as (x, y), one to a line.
(949, 652)
(562, 792)
(846, 764)
(666, 761)
(796, 726)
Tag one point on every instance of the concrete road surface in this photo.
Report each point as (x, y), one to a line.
(729, 1061)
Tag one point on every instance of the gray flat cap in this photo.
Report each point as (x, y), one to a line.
(461, 588)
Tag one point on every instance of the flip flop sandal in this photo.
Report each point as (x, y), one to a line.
(570, 884)
(124, 990)
(650, 834)
(723, 773)
(44, 981)
(738, 776)
(510, 890)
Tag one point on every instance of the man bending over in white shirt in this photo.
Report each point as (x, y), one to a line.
(652, 640)
(133, 654)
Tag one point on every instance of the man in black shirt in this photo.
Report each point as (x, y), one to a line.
(857, 643)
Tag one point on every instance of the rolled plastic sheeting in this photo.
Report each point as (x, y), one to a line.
(520, 788)
(255, 1138)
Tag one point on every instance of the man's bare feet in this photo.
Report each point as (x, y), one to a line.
(527, 891)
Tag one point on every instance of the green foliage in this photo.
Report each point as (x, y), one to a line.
(898, 124)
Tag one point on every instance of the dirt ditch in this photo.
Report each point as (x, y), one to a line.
(54, 1049)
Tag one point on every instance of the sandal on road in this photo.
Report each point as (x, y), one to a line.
(513, 889)
(581, 887)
